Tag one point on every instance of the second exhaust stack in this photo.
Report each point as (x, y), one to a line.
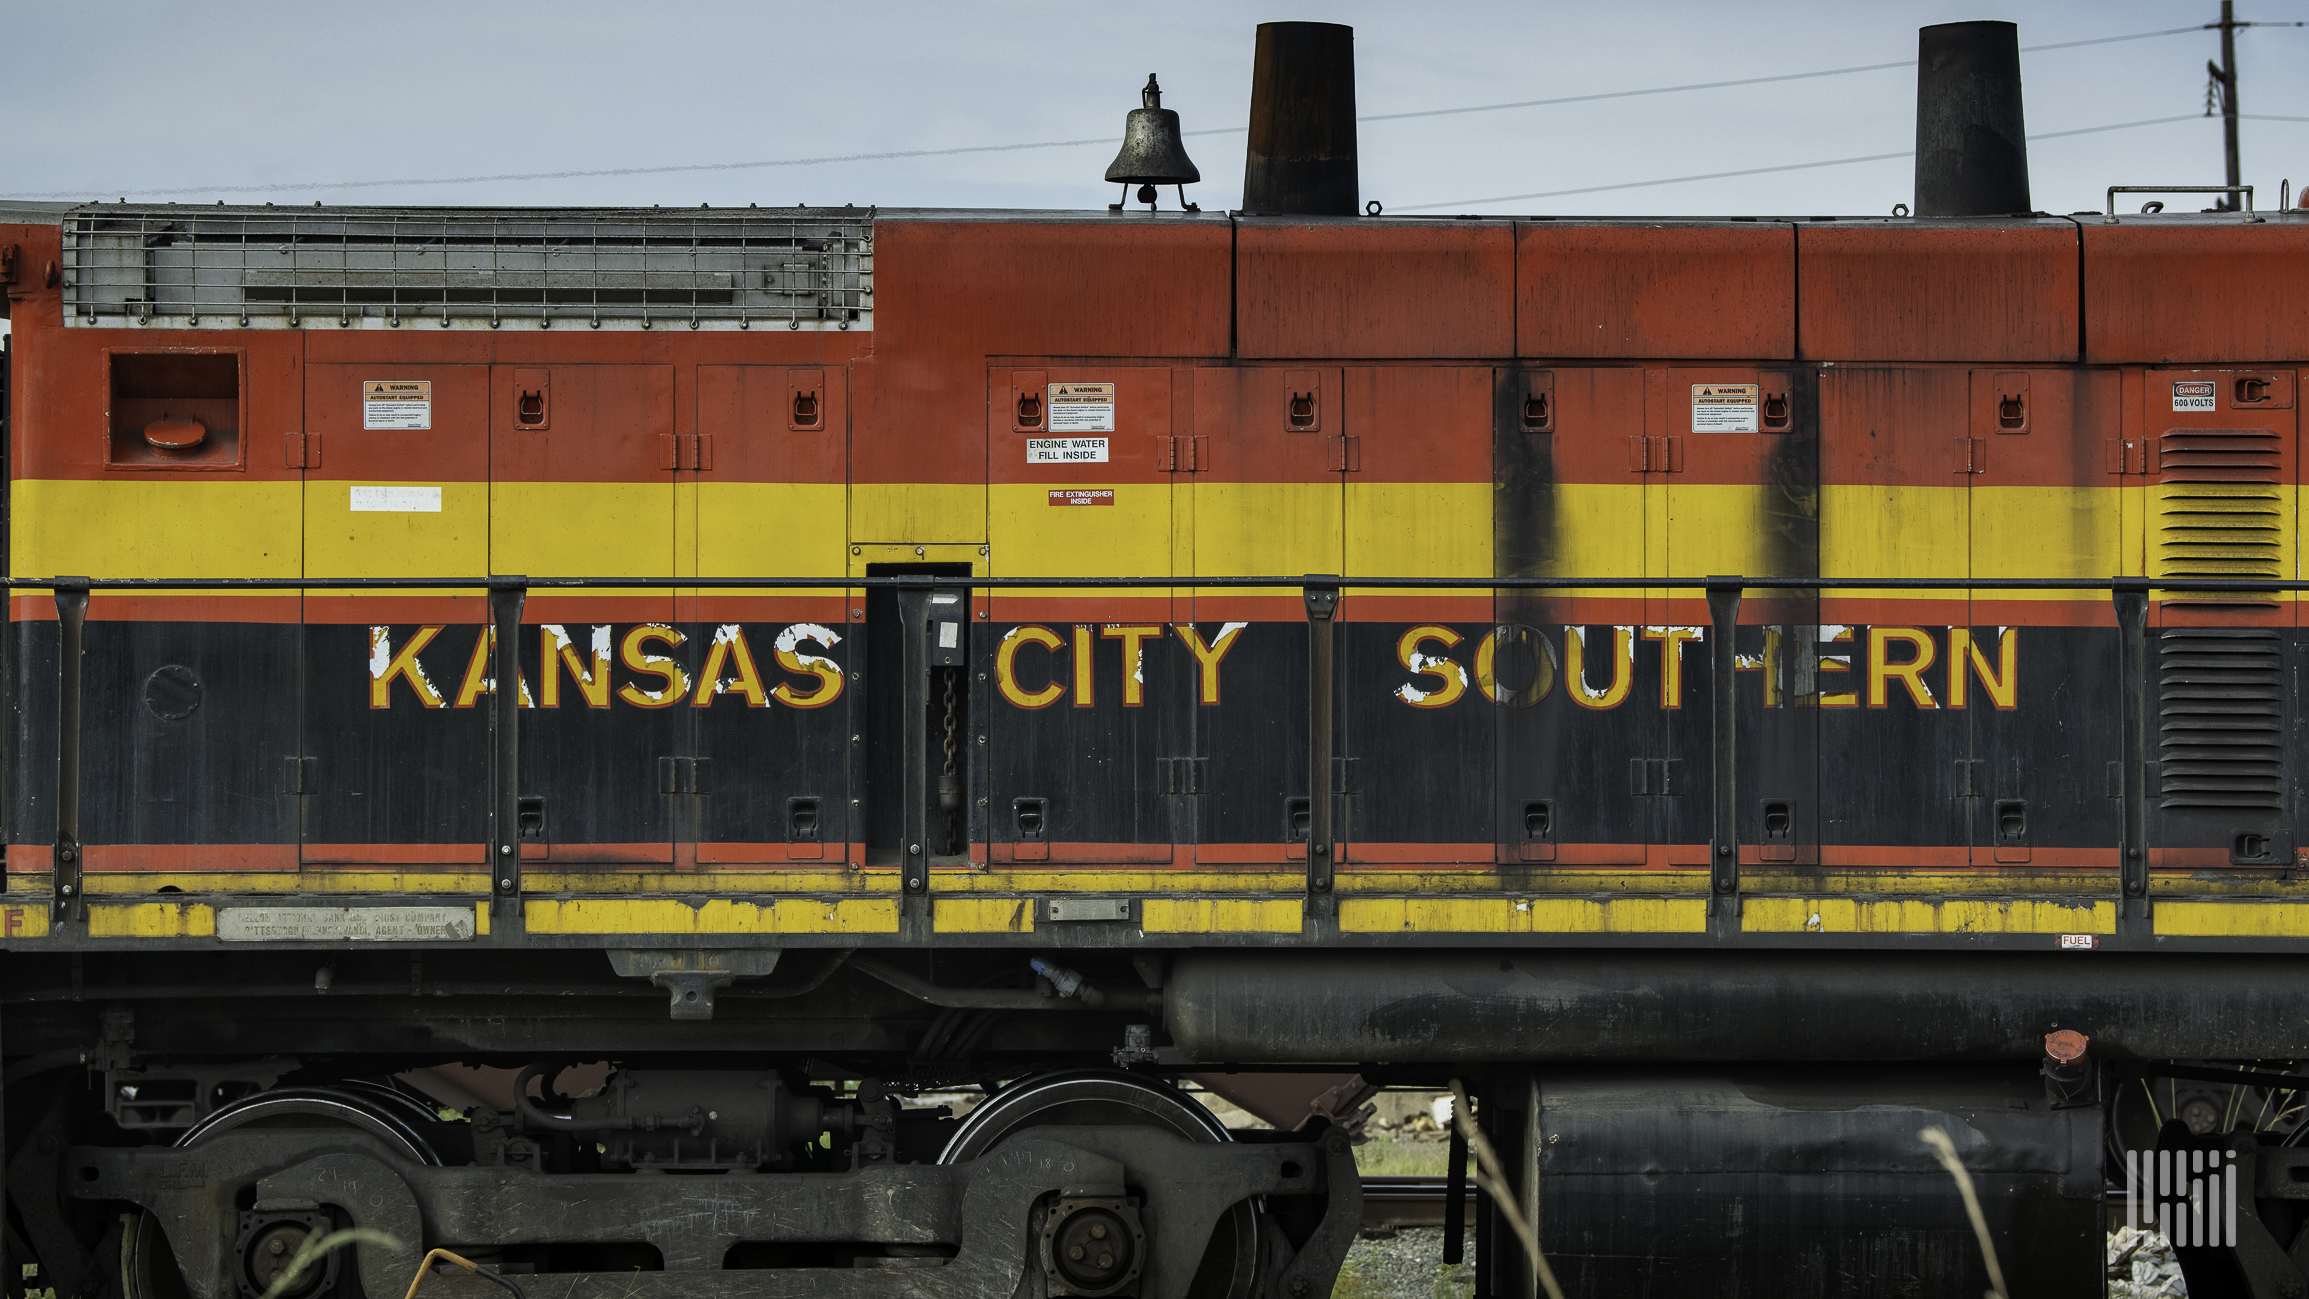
(1301, 160)
(1971, 144)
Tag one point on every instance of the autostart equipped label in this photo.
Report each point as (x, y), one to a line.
(1066, 451)
(2193, 394)
(1724, 407)
(1081, 408)
(397, 404)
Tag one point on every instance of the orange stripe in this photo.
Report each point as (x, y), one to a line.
(1417, 853)
(396, 854)
(140, 857)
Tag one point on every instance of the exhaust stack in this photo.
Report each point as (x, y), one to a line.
(1301, 160)
(1971, 143)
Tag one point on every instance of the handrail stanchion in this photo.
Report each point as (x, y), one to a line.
(1322, 596)
(71, 623)
(1724, 857)
(2131, 595)
(506, 596)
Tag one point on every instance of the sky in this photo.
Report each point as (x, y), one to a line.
(251, 101)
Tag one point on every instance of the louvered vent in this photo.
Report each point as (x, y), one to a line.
(2220, 717)
(2219, 512)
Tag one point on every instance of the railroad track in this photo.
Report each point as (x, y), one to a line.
(1391, 1202)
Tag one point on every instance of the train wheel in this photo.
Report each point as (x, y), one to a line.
(148, 1265)
(1229, 1268)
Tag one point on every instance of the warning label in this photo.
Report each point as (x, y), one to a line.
(397, 404)
(1081, 408)
(1082, 496)
(1066, 451)
(2193, 395)
(1724, 408)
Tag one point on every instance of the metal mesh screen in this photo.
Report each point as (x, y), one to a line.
(179, 266)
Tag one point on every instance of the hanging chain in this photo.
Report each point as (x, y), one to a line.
(950, 721)
(949, 782)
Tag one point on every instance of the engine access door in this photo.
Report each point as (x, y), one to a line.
(582, 462)
(1089, 697)
(771, 707)
(2219, 459)
(394, 762)
(1734, 458)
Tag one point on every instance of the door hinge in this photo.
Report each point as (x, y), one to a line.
(1656, 776)
(301, 450)
(1972, 455)
(1182, 455)
(303, 775)
(681, 775)
(1346, 453)
(685, 451)
(2128, 455)
(1663, 455)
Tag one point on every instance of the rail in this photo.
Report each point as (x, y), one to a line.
(1320, 594)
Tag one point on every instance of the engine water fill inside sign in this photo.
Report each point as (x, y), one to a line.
(1081, 408)
(1724, 407)
(1066, 451)
(2193, 395)
(397, 404)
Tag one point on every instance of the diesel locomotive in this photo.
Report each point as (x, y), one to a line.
(558, 735)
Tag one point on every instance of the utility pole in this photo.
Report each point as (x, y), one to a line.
(2224, 85)
(2225, 78)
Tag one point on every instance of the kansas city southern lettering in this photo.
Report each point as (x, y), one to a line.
(570, 675)
(1801, 666)
(650, 665)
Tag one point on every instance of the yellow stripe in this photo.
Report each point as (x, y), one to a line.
(714, 916)
(378, 543)
(1725, 528)
(1130, 538)
(1926, 916)
(1523, 915)
(584, 529)
(481, 918)
(2231, 919)
(191, 525)
(152, 920)
(1221, 916)
(918, 513)
(785, 529)
(1599, 532)
(1902, 532)
(1419, 530)
(1258, 529)
(983, 915)
(2047, 532)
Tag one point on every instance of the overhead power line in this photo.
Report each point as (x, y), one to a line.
(1758, 171)
(307, 187)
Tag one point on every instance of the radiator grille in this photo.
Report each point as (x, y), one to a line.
(177, 266)
(2220, 716)
(2220, 511)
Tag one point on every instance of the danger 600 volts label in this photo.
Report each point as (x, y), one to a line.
(397, 404)
(1081, 408)
(1724, 407)
(1066, 451)
(2193, 395)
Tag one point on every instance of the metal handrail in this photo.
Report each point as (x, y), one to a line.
(1325, 580)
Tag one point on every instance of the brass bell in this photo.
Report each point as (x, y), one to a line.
(1152, 152)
